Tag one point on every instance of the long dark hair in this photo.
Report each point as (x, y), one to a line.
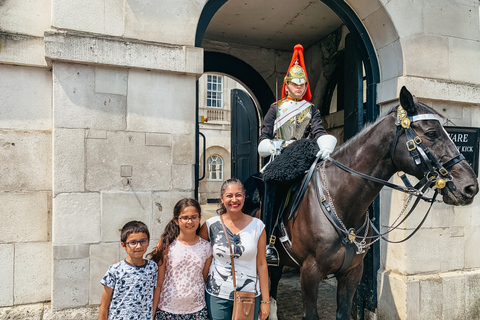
(172, 230)
(227, 183)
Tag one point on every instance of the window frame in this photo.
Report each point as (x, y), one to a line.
(214, 91)
(218, 171)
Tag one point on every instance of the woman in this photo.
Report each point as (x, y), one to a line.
(248, 239)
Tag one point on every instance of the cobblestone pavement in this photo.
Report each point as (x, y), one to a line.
(289, 297)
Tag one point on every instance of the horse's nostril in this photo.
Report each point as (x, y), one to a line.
(471, 190)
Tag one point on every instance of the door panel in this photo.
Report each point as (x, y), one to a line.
(244, 135)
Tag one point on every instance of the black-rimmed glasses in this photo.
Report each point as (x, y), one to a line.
(133, 244)
(193, 218)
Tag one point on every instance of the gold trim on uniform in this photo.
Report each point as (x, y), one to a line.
(303, 115)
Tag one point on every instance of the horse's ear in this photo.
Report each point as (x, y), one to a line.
(407, 101)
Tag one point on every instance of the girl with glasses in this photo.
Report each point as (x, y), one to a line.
(183, 260)
(248, 239)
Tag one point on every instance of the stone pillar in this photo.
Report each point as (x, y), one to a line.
(123, 149)
(25, 154)
(436, 273)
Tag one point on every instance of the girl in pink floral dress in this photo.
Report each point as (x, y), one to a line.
(183, 260)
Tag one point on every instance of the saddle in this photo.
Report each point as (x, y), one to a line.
(288, 170)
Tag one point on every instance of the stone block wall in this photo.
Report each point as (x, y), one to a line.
(123, 150)
(97, 128)
(436, 272)
(25, 155)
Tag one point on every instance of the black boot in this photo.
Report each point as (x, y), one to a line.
(272, 256)
(268, 217)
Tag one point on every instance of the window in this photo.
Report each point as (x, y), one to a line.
(214, 91)
(215, 168)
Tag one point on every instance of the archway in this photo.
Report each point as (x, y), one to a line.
(364, 48)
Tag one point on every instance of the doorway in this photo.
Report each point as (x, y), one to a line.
(246, 40)
(228, 128)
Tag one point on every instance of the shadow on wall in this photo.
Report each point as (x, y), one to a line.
(388, 285)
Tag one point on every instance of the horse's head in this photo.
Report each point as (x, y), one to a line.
(422, 148)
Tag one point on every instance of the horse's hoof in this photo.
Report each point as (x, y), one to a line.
(273, 309)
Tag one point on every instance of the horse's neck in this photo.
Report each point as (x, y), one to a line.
(369, 153)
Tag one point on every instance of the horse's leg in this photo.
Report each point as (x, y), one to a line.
(347, 284)
(275, 275)
(310, 277)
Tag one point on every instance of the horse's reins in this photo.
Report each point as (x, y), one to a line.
(435, 175)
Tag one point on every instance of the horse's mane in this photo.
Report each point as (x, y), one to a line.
(421, 107)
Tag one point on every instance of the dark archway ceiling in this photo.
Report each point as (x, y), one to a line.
(272, 24)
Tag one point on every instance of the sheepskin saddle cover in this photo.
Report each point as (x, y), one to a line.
(292, 163)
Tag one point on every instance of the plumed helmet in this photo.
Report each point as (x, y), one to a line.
(297, 72)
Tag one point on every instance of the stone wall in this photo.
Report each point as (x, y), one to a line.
(97, 128)
(25, 155)
(437, 271)
(422, 45)
(120, 153)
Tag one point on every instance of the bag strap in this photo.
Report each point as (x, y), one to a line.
(231, 254)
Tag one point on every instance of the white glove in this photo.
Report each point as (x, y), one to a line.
(327, 144)
(266, 148)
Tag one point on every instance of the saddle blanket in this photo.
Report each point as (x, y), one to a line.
(292, 163)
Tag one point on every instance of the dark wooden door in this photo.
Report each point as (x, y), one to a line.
(354, 120)
(244, 135)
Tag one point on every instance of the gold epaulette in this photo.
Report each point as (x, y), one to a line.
(281, 101)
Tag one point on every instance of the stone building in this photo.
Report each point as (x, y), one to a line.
(214, 100)
(99, 126)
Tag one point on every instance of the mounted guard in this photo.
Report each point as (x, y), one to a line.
(292, 118)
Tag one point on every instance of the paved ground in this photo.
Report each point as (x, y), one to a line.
(289, 296)
(208, 211)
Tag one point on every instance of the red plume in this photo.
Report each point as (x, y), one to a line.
(298, 57)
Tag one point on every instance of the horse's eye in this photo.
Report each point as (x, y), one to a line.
(431, 135)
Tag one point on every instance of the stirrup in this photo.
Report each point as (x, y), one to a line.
(273, 259)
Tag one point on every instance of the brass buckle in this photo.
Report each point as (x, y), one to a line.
(411, 145)
(443, 171)
(417, 140)
(272, 239)
(323, 199)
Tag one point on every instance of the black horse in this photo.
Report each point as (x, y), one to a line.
(419, 147)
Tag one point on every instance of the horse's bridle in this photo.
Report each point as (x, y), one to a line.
(434, 173)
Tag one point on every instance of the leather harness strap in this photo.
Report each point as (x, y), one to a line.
(332, 218)
(303, 189)
(283, 235)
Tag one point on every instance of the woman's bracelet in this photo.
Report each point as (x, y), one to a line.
(265, 301)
